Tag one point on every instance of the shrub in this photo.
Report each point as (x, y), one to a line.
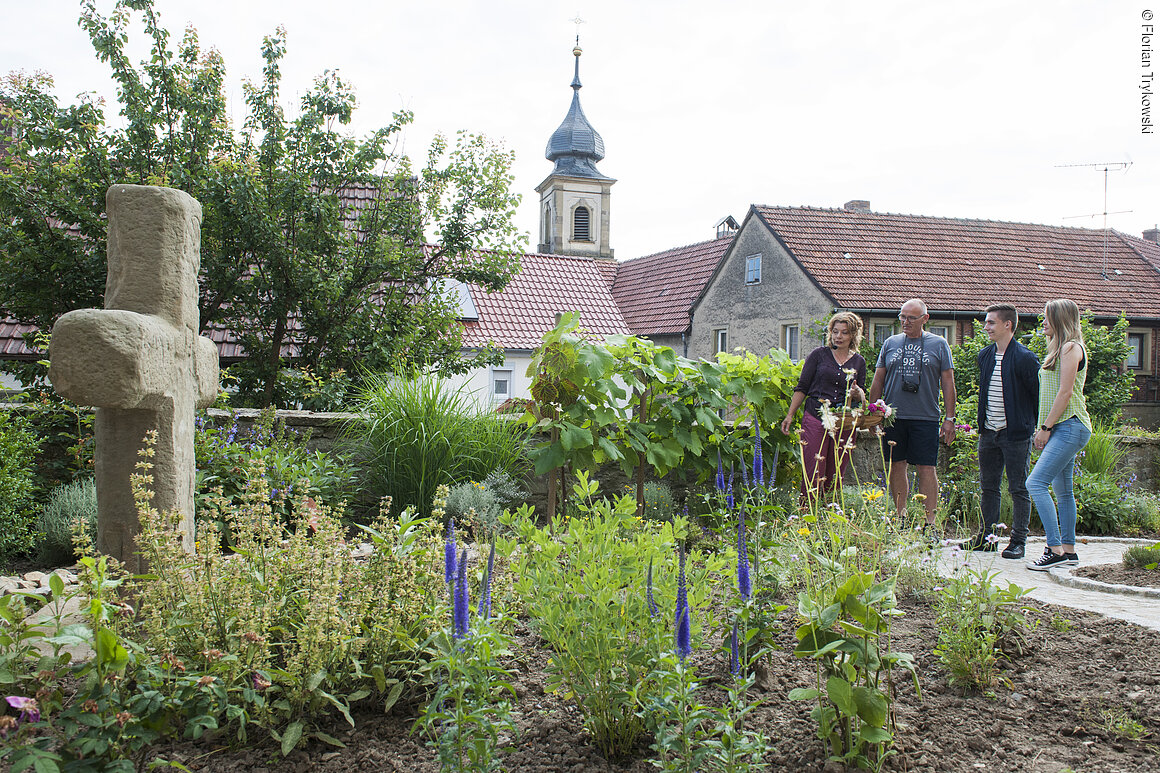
(479, 504)
(224, 461)
(1104, 453)
(67, 504)
(1142, 556)
(424, 431)
(291, 610)
(1099, 503)
(1141, 514)
(18, 448)
(658, 501)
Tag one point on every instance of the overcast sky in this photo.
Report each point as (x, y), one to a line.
(948, 109)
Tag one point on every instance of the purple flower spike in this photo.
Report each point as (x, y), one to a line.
(683, 624)
(449, 548)
(758, 467)
(485, 592)
(460, 610)
(29, 710)
(653, 609)
(720, 473)
(743, 582)
(734, 661)
(729, 490)
(744, 477)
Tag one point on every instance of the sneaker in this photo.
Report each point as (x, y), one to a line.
(1049, 559)
(1072, 559)
(987, 543)
(1015, 550)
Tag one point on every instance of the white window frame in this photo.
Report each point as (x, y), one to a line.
(720, 340)
(1145, 365)
(576, 237)
(949, 327)
(498, 374)
(753, 269)
(792, 348)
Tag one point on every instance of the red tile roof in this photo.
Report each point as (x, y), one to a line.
(870, 260)
(656, 293)
(518, 316)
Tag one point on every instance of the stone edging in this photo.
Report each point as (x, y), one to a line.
(1063, 576)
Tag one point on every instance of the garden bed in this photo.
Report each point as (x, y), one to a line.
(1118, 574)
(1085, 684)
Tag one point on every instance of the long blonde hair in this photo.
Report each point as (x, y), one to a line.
(853, 324)
(1063, 317)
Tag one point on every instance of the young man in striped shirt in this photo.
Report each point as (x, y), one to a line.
(1008, 404)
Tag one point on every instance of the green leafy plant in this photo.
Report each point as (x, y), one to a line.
(18, 446)
(423, 431)
(976, 621)
(480, 504)
(586, 593)
(69, 506)
(1099, 503)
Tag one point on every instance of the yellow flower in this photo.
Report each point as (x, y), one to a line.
(804, 531)
(873, 494)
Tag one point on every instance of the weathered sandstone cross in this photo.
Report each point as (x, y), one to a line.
(140, 360)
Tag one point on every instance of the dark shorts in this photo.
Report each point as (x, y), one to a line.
(915, 442)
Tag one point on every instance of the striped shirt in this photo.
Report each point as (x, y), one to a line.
(1049, 388)
(996, 414)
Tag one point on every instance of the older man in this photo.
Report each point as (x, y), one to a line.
(911, 369)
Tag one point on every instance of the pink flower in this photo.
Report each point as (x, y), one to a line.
(29, 710)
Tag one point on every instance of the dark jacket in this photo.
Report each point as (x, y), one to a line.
(1020, 388)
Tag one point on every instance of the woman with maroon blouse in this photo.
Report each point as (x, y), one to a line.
(824, 377)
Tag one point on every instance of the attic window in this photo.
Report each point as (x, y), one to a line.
(581, 225)
(753, 269)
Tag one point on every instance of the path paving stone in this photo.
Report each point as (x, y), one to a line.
(1058, 586)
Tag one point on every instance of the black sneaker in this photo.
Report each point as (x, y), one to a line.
(986, 543)
(1015, 550)
(1072, 559)
(1049, 559)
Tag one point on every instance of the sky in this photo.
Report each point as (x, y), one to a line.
(992, 110)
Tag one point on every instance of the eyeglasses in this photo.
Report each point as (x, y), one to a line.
(906, 318)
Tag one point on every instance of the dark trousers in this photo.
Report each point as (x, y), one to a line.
(997, 453)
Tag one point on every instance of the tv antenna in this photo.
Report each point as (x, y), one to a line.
(1107, 166)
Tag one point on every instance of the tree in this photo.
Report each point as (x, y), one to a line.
(287, 262)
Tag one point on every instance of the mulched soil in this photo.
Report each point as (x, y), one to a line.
(1118, 574)
(1047, 716)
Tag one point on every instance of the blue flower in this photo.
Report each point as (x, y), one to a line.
(744, 476)
(684, 644)
(449, 553)
(653, 609)
(729, 489)
(743, 582)
(484, 610)
(462, 606)
(720, 473)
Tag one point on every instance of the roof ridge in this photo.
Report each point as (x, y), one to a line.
(678, 249)
(942, 218)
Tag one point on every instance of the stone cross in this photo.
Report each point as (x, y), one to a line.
(140, 360)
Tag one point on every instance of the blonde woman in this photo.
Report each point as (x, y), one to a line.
(1064, 429)
(824, 377)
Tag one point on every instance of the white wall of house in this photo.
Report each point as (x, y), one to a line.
(493, 385)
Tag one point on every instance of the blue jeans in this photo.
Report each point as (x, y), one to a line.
(1055, 468)
(996, 453)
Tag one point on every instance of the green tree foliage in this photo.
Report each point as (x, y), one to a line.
(286, 261)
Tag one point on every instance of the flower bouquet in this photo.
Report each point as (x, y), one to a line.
(864, 416)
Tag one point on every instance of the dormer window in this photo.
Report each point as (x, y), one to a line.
(581, 225)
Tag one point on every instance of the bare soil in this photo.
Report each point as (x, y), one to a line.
(1049, 714)
(1118, 574)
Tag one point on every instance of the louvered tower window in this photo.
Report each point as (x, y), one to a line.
(581, 225)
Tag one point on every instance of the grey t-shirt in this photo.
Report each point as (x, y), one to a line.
(900, 356)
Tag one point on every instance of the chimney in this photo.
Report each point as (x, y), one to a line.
(856, 205)
(1152, 235)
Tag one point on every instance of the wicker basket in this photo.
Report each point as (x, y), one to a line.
(865, 421)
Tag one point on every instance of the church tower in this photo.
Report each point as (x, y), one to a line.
(574, 198)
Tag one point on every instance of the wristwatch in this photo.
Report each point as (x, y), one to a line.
(1046, 428)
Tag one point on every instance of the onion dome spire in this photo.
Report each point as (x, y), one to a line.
(576, 146)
